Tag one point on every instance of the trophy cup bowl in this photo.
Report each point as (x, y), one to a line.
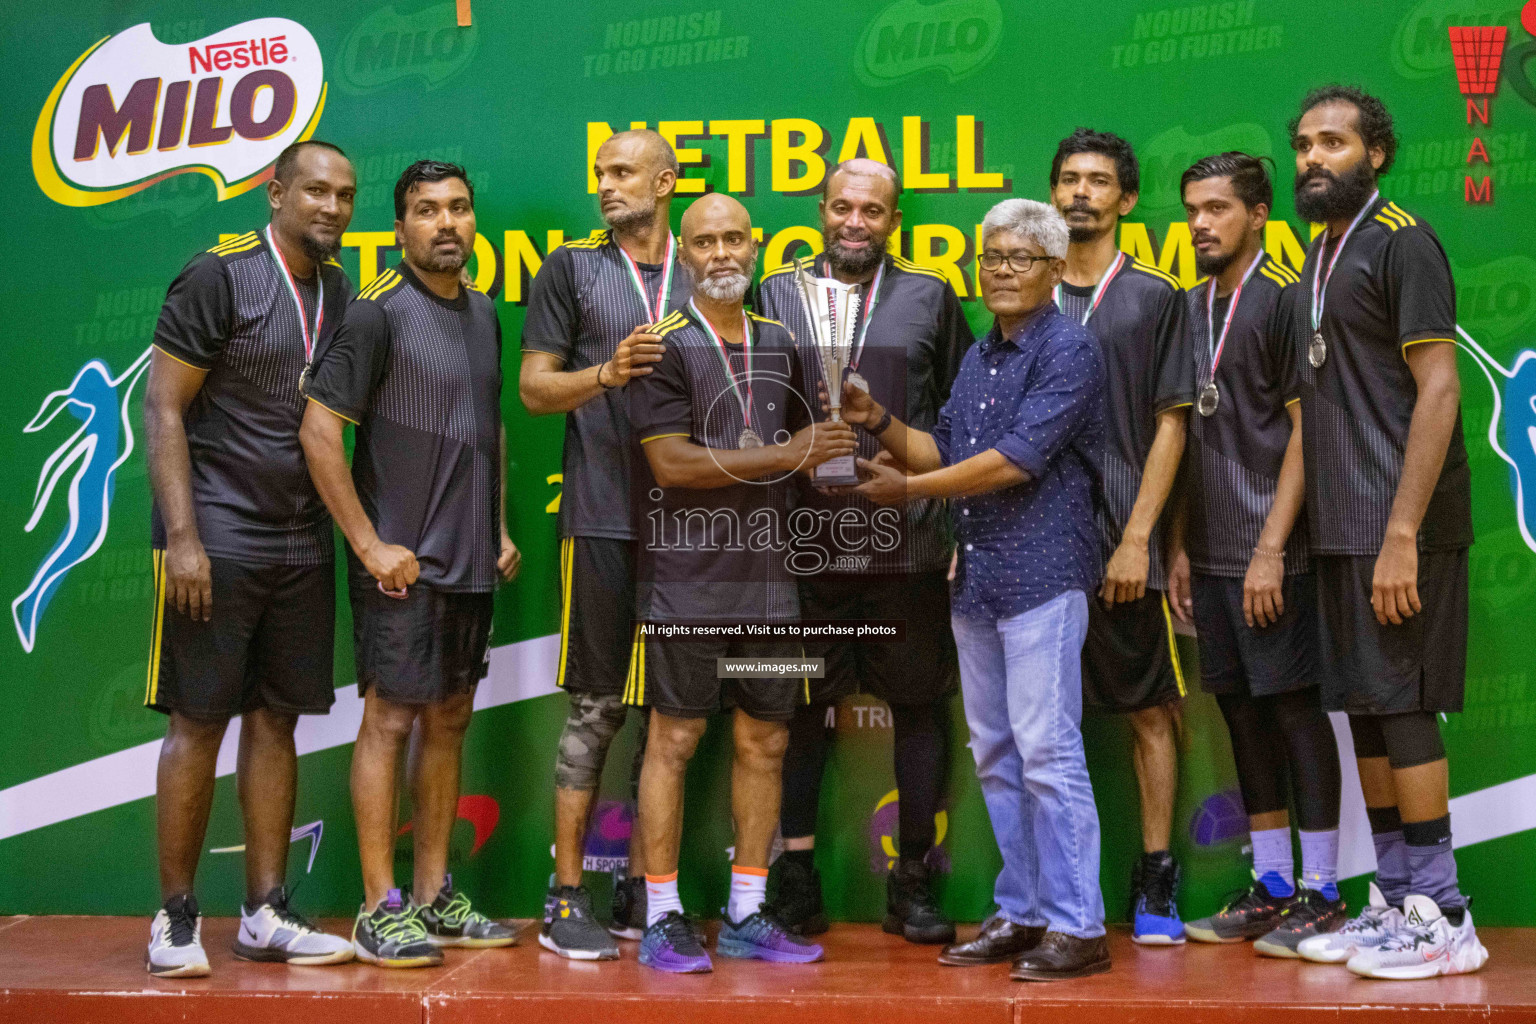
(832, 309)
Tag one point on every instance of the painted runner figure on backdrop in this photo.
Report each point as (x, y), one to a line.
(587, 335)
(1240, 570)
(416, 369)
(1130, 661)
(910, 337)
(1389, 513)
(1016, 450)
(244, 613)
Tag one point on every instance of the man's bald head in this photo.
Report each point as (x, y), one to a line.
(636, 175)
(647, 147)
(863, 167)
(718, 248)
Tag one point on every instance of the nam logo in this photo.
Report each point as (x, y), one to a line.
(90, 458)
(913, 36)
(388, 47)
(132, 111)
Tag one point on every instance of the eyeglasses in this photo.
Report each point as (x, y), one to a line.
(1018, 262)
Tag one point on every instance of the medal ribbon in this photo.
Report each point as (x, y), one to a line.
(298, 304)
(1320, 283)
(666, 279)
(1098, 292)
(1215, 346)
(725, 359)
(871, 297)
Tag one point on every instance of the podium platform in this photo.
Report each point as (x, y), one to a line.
(71, 970)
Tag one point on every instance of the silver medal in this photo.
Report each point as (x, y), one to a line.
(1209, 399)
(1317, 352)
(749, 439)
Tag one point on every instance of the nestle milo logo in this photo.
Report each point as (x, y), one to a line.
(1496, 299)
(387, 47)
(1421, 46)
(1166, 156)
(913, 36)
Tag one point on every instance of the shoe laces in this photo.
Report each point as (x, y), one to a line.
(403, 926)
(182, 917)
(576, 895)
(1157, 888)
(1252, 896)
(1370, 919)
(458, 912)
(1310, 906)
(1409, 936)
(278, 899)
(679, 934)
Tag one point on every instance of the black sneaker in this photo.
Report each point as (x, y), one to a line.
(1245, 914)
(796, 897)
(569, 928)
(451, 921)
(910, 908)
(393, 935)
(1154, 901)
(1310, 913)
(628, 909)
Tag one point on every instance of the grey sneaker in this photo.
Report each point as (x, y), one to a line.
(1311, 914)
(569, 928)
(629, 903)
(392, 935)
(1376, 922)
(274, 933)
(451, 921)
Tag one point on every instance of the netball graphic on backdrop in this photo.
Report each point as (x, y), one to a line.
(95, 451)
(1514, 416)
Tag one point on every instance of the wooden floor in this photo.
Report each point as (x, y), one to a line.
(67, 970)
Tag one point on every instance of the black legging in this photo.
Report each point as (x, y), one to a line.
(921, 755)
(1406, 740)
(1280, 743)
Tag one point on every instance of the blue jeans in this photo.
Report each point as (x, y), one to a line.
(1022, 682)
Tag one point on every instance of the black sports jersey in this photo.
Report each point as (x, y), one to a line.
(718, 554)
(910, 356)
(581, 305)
(1143, 329)
(1232, 463)
(420, 376)
(229, 312)
(1391, 288)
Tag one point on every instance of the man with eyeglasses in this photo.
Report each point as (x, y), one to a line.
(1015, 448)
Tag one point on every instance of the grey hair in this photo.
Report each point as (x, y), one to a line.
(1039, 222)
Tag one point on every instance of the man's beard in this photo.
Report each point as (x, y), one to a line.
(1343, 197)
(1211, 265)
(1083, 232)
(442, 263)
(853, 262)
(628, 219)
(725, 288)
(317, 250)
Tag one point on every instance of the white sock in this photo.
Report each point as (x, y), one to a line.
(1273, 861)
(661, 897)
(749, 888)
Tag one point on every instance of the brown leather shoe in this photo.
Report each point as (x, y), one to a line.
(999, 941)
(1060, 956)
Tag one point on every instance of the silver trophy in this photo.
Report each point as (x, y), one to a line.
(832, 308)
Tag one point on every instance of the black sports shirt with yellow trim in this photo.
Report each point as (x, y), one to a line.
(420, 375)
(1390, 289)
(1142, 324)
(910, 356)
(1233, 458)
(229, 312)
(720, 554)
(581, 305)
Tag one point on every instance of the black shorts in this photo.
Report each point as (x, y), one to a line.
(597, 614)
(1371, 669)
(678, 678)
(919, 670)
(1130, 660)
(421, 648)
(1255, 662)
(270, 643)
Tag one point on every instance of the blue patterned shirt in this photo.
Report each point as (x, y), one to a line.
(1037, 398)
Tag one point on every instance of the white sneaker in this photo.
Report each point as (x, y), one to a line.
(1426, 946)
(274, 933)
(176, 941)
(1374, 925)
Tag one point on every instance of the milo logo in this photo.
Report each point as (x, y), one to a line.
(388, 47)
(1497, 296)
(1166, 156)
(912, 36)
(1421, 46)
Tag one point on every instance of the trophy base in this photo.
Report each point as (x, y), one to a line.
(838, 472)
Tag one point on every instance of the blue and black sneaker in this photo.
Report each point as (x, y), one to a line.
(1154, 901)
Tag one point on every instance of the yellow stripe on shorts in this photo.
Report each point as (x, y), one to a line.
(1173, 649)
(157, 625)
(567, 559)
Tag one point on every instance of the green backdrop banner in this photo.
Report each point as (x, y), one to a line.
(138, 132)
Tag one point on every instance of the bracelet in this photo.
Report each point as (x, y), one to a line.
(1268, 554)
(605, 387)
(881, 427)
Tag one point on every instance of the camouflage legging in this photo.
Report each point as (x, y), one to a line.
(590, 727)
